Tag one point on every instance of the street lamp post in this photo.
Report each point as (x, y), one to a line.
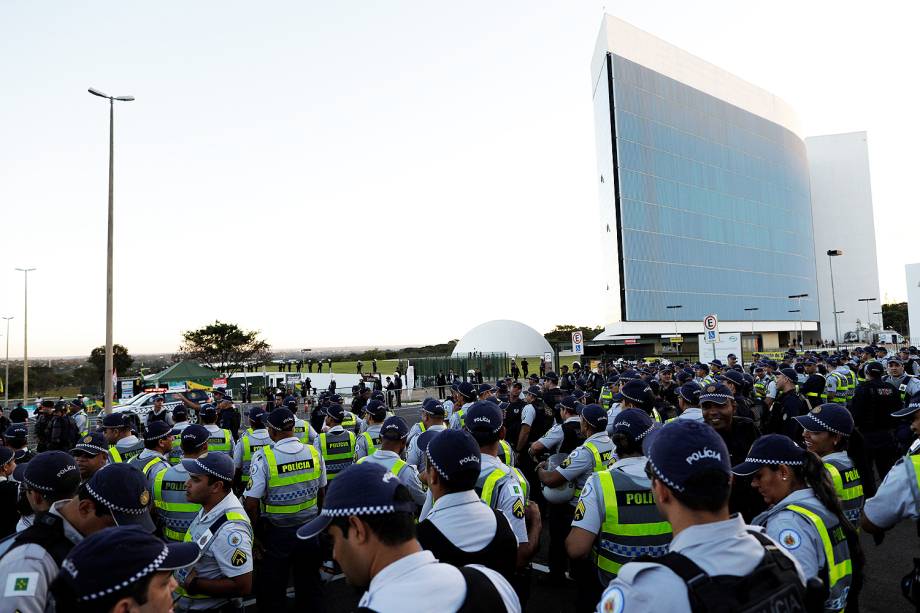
(868, 328)
(798, 298)
(674, 308)
(25, 337)
(109, 358)
(6, 379)
(751, 310)
(831, 254)
(881, 321)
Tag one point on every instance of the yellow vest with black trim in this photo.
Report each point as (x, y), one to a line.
(848, 485)
(396, 467)
(632, 525)
(292, 485)
(840, 396)
(602, 461)
(838, 565)
(222, 441)
(505, 454)
(302, 431)
(174, 512)
(251, 444)
(338, 451)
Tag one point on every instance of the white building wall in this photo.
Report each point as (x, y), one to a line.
(913, 302)
(841, 197)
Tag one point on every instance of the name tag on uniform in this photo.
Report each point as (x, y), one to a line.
(204, 539)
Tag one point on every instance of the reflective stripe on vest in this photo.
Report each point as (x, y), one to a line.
(421, 427)
(504, 453)
(398, 465)
(204, 542)
(248, 450)
(629, 530)
(302, 432)
(849, 489)
(176, 512)
(225, 445)
(369, 441)
(332, 458)
(488, 486)
(153, 462)
(116, 457)
(656, 415)
(841, 393)
(302, 471)
(460, 418)
(350, 421)
(836, 552)
(600, 463)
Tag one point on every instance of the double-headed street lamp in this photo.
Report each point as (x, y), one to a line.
(831, 254)
(109, 358)
(868, 329)
(798, 298)
(25, 338)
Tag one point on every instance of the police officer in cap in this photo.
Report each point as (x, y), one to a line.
(158, 440)
(455, 526)
(336, 444)
(158, 413)
(562, 437)
(138, 575)
(370, 517)
(220, 439)
(16, 438)
(688, 402)
(690, 471)
(117, 495)
(465, 394)
(90, 454)
(285, 490)
(369, 440)
(123, 445)
(616, 516)
(389, 452)
(78, 413)
(254, 439)
(433, 414)
(223, 573)
(174, 512)
(9, 493)
(180, 417)
(40, 488)
(874, 403)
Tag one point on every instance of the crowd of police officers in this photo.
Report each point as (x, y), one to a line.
(662, 486)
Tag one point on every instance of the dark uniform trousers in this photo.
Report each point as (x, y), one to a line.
(284, 552)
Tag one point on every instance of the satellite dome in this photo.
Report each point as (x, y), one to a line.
(503, 336)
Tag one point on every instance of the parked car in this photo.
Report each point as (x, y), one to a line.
(142, 404)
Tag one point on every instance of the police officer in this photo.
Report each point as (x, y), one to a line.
(123, 445)
(369, 440)
(369, 516)
(158, 413)
(393, 433)
(594, 455)
(533, 418)
(563, 437)
(433, 414)
(616, 515)
(690, 472)
(454, 525)
(174, 512)
(874, 402)
(16, 438)
(805, 516)
(90, 454)
(158, 441)
(220, 439)
(137, 577)
(838, 381)
(285, 490)
(302, 429)
(635, 394)
(786, 407)
(223, 573)
(688, 402)
(829, 428)
(336, 444)
(228, 418)
(907, 385)
(254, 439)
(465, 394)
(117, 495)
(78, 413)
(9, 493)
(180, 423)
(420, 426)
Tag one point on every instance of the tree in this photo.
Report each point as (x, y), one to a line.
(562, 333)
(224, 347)
(895, 318)
(121, 359)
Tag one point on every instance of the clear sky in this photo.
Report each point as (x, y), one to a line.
(360, 173)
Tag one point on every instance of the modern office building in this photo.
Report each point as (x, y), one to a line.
(705, 197)
(913, 302)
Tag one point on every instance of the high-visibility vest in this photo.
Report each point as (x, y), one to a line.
(632, 524)
(287, 474)
(350, 421)
(602, 461)
(486, 486)
(839, 566)
(222, 444)
(396, 468)
(370, 442)
(174, 512)
(504, 452)
(302, 431)
(848, 484)
(840, 396)
(340, 458)
(229, 516)
(117, 457)
(606, 397)
(250, 446)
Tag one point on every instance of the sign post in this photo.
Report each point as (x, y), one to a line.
(578, 342)
(711, 331)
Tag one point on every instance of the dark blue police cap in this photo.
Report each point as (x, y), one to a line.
(77, 404)
(716, 393)
(771, 450)
(535, 391)
(683, 376)
(394, 428)
(6, 455)
(453, 454)
(219, 465)
(17, 431)
(220, 390)
(634, 423)
(361, 489)
(628, 375)
(913, 405)
(281, 419)
(828, 417)
(551, 376)
(432, 406)
(732, 375)
(92, 445)
(377, 396)
(467, 390)
(179, 411)
(681, 448)
(52, 473)
(570, 402)
(208, 410)
(637, 391)
(159, 397)
(156, 430)
(194, 436)
(483, 416)
(595, 415)
(690, 391)
(122, 489)
(336, 412)
(336, 398)
(482, 388)
(377, 409)
(716, 363)
(130, 555)
(789, 373)
(257, 414)
(114, 420)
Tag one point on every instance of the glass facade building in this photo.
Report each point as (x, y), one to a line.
(712, 204)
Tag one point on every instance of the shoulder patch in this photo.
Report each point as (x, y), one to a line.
(234, 538)
(790, 539)
(21, 584)
(238, 558)
(518, 508)
(613, 601)
(580, 511)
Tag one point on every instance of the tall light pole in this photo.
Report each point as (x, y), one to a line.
(881, 321)
(109, 358)
(25, 337)
(751, 310)
(798, 298)
(674, 308)
(867, 301)
(831, 254)
(6, 380)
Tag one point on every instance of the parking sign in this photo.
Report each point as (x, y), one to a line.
(711, 328)
(578, 345)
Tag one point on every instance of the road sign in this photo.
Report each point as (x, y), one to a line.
(548, 360)
(676, 340)
(711, 328)
(578, 342)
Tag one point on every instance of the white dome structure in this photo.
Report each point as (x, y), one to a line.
(502, 336)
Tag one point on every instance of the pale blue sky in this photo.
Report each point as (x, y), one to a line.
(345, 156)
